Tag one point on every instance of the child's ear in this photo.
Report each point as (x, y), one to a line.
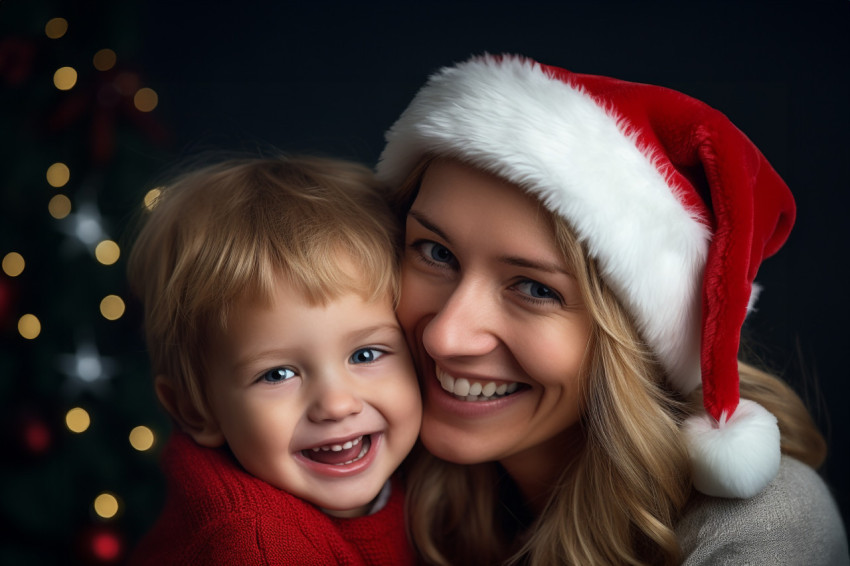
(203, 428)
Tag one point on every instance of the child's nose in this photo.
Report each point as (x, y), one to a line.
(334, 402)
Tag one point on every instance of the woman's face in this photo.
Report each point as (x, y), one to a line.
(495, 320)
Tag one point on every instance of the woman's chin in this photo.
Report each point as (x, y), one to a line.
(454, 445)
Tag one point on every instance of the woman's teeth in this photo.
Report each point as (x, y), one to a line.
(462, 389)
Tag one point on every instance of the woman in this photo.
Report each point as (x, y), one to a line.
(579, 259)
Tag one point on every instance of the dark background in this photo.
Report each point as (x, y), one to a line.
(329, 78)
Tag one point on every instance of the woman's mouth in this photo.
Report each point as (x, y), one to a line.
(340, 454)
(466, 390)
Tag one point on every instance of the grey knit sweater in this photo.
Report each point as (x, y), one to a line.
(794, 521)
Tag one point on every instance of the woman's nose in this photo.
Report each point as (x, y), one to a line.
(334, 401)
(465, 325)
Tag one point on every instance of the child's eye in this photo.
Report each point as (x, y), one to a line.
(365, 355)
(277, 375)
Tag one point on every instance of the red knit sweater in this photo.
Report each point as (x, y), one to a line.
(216, 513)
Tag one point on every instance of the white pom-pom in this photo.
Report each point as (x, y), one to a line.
(737, 457)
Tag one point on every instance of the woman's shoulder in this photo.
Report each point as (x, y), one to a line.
(793, 521)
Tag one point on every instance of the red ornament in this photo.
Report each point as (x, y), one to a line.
(100, 545)
(6, 296)
(16, 60)
(36, 436)
(106, 546)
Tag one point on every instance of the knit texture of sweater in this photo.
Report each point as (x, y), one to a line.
(216, 513)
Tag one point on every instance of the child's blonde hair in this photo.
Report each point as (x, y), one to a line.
(227, 231)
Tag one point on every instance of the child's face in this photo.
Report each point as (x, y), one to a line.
(320, 401)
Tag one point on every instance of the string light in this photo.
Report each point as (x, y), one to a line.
(56, 28)
(65, 78)
(141, 438)
(112, 307)
(151, 197)
(107, 252)
(77, 420)
(29, 326)
(106, 546)
(59, 207)
(58, 175)
(85, 226)
(106, 505)
(86, 367)
(145, 99)
(13, 264)
(104, 59)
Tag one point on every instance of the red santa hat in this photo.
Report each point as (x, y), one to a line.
(675, 204)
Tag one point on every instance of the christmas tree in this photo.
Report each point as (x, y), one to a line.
(80, 427)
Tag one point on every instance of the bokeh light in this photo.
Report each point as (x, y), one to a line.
(104, 59)
(56, 28)
(106, 546)
(29, 326)
(112, 307)
(145, 99)
(106, 505)
(141, 438)
(58, 175)
(107, 252)
(151, 197)
(77, 420)
(13, 264)
(59, 206)
(65, 78)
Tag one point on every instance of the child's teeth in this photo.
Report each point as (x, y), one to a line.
(338, 447)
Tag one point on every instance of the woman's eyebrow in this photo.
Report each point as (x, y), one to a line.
(428, 224)
(517, 261)
(540, 265)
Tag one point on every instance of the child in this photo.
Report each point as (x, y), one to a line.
(268, 288)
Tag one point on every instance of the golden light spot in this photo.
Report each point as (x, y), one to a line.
(145, 99)
(65, 78)
(59, 207)
(141, 438)
(56, 28)
(104, 59)
(106, 505)
(77, 420)
(151, 197)
(58, 175)
(107, 252)
(29, 326)
(13, 264)
(112, 307)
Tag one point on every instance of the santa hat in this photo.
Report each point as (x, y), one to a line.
(675, 204)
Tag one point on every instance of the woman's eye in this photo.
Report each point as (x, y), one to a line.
(277, 375)
(432, 251)
(365, 356)
(537, 291)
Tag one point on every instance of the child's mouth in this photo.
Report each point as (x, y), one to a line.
(340, 454)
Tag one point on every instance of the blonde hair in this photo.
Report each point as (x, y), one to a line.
(229, 230)
(618, 501)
